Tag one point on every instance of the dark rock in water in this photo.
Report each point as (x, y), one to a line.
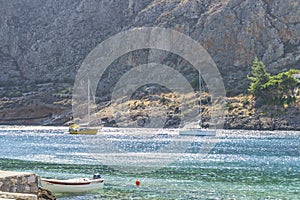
(44, 194)
(110, 123)
(206, 125)
(142, 121)
(172, 122)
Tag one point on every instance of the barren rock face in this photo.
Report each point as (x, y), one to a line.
(44, 41)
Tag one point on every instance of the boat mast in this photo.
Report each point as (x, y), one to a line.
(200, 103)
(89, 118)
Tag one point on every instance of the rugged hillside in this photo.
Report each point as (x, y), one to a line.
(41, 41)
(46, 41)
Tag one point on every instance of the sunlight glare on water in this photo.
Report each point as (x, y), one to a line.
(242, 165)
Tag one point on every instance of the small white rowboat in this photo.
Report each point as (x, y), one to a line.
(72, 185)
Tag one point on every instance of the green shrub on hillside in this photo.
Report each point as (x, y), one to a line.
(277, 90)
(259, 77)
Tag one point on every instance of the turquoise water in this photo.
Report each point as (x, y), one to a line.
(241, 165)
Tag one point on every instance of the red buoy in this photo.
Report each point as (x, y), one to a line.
(137, 182)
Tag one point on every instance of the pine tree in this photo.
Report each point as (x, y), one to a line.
(259, 77)
(280, 88)
(277, 90)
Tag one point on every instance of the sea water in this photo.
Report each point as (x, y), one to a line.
(239, 164)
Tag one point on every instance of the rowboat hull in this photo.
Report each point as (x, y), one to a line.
(197, 132)
(72, 185)
(85, 131)
(76, 129)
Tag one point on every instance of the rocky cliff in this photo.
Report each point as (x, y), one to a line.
(46, 41)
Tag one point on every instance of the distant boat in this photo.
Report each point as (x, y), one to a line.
(84, 129)
(195, 128)
(77, 129)
(76, 185)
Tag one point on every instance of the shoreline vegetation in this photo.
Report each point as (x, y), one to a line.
(240, 112)
(273, 103)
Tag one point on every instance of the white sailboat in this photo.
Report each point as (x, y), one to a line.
(195, 128)
(84, 129)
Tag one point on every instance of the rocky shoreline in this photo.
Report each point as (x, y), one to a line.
(243, 114)
(45, 108)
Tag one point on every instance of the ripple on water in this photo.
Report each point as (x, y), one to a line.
(242, 165)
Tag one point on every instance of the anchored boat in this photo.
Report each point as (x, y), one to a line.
(196, 131)
(77, 129)
(84, 129)
(76, 185)
(195, 128)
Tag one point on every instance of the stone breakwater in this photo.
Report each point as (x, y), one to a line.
(18, 182)
(20, 186)
(18, 196)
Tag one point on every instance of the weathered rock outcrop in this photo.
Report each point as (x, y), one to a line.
(44, 194)
(46, 41)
